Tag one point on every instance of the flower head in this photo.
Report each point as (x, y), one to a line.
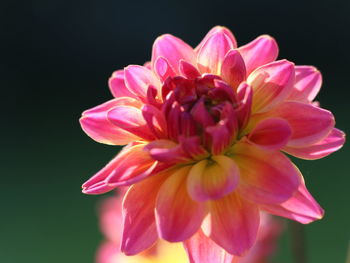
(206, 131)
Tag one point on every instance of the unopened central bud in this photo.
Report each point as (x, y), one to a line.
(203, 107)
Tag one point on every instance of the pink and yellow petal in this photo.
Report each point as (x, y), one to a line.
(211, 180)
(218, 29)
(265, 176)
(212, 53)
(172, 201)
(232, 223)
(139, 227)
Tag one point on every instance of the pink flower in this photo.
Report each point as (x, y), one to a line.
(205, 130)
(200, 248)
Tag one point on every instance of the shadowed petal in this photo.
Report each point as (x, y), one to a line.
(265, 177)
(201, 249)
(245, 97)
(96, 124)
(208, 181)
(139, 227)
(270, 134)
(232, 223)
(212, 53)
(173, 49)
(333, 142)
(188, 70)
(233, 70)
(302, 207)
(308, 81)
(178, 216)
(260, 51)
(271, 84)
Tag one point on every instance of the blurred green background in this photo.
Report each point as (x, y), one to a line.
(56, 57)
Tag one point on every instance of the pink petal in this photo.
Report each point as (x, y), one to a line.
(232, 223)
(167, 151)
(308, 81)
(188, 70)
(265, 177)
(155, 120)
(193, 147)
(302, 207)
(138, 78)
(178, 217)
(218, 29)
(95, 123)
(270, 134)
(260, 51)
(163, 69)
(210, 181)
(233, 70)
(97, 184)
(309, 123)
(130, 119)
(135, 165)
(201, 114)
(271, 84)
(245, 97)
(212, 53)
(333, 142)
(201, 249)
(131, 165)
(117, 85)
(173, 49)
(139, 227)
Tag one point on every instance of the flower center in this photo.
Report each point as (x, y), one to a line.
(204, 107)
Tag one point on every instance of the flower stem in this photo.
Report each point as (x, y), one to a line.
(298, 242)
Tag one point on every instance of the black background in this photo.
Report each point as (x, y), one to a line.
(56, 57)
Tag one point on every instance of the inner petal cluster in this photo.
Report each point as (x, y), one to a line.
(204, 114)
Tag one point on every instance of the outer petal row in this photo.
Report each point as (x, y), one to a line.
(96, 124)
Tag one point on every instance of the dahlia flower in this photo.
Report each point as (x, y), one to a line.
(111, 219)
(207, 130)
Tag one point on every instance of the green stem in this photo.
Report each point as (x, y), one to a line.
(298, 242)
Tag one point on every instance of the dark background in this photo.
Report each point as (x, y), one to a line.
(56, 57)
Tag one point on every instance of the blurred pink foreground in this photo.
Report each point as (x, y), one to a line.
(164, 252)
